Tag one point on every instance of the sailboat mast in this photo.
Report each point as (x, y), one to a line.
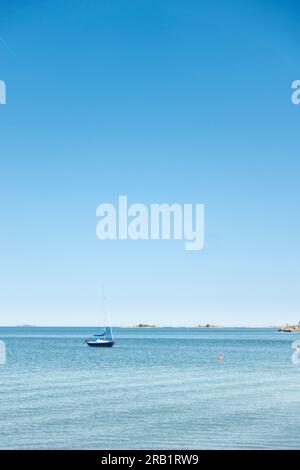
(106, 314)
(109, 322)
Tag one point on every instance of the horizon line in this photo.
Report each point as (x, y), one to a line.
(150, 326)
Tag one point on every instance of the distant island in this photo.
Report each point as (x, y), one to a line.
(291, 328)
(26, 326)
(208, 325)
(144, 325)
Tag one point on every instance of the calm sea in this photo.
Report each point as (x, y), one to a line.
(158, 389)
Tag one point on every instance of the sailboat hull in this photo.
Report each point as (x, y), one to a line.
(101, 344)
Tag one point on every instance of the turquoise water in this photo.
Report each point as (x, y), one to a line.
(158, 389)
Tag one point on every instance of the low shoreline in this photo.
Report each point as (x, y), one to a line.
(157, 327)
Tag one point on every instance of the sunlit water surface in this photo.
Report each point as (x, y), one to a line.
(158, 389)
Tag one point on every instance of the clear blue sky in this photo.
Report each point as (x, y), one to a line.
(164, 101)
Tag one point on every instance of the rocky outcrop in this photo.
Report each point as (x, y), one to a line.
(144, 325)
(290, 329)
(208, 325)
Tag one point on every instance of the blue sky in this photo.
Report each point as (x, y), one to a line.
(164, 101)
